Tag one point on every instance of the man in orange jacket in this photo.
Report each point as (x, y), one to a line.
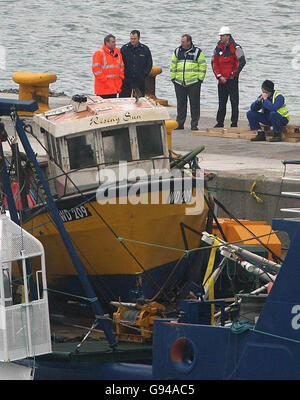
(108, 69)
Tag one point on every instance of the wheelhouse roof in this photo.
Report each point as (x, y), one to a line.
(100, 113)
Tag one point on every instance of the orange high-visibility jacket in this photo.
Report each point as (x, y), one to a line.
(108, 70)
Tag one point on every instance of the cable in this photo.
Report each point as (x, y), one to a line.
(275, 256)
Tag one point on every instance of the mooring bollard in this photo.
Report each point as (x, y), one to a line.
(150, 85)
(34, 86)
(170, 125)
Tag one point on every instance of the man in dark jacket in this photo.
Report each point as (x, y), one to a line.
(138, 63)
(228, 61)
(268, 109)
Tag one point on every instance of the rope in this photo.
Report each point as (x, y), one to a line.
(198, 248)
(277, 336)
(17, 195)
(90, 300)
(209, 281)
(238, 327)
(252, 192)
(153, 244)
(209, 202)
(116, 323)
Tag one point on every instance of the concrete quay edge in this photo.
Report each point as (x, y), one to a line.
(238, 164)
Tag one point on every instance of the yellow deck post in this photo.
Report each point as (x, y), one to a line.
(34, 86)
(150, 85)
(170, 125)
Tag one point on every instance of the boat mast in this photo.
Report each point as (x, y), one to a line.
(13, 211)
(20, 175)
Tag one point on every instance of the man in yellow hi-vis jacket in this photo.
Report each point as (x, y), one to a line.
(187, 72)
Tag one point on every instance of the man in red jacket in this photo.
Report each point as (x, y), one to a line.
(228, 61)
(108, 69)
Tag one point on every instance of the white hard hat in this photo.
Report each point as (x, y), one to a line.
(225, 30)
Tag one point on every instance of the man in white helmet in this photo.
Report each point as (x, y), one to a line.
(228, 60)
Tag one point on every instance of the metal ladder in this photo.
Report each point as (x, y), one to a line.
(290, 194)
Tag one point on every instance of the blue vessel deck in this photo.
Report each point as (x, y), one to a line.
(68, 331)
(99, 351)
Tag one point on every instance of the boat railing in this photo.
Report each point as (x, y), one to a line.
(289, 193)
(25, 325)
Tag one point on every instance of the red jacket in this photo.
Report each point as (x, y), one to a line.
(228, 61)
(108, 70)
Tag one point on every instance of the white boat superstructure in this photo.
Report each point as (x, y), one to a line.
(24, 320)
(101, 133)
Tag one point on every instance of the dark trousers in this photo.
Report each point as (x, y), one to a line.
(193, 93)
(273, 119)
(231, 89)
(126, 90)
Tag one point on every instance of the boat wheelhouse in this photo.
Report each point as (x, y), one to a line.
(103, 134)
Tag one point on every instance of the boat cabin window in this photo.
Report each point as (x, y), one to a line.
(58, 146)
(48, 143)
(116, 145)
(149, 140)
(52, 146)
(81, 151)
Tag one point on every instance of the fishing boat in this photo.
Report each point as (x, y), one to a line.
(130, 214)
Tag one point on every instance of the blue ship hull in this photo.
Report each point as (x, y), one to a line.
(51, 370)
(268, 350)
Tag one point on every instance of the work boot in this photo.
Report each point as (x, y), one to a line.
(219, 125)
(260, 137)
(179, 127)
(276, 137)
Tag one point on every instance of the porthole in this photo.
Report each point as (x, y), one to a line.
(183, 354)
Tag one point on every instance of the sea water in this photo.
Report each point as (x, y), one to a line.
(61, 36)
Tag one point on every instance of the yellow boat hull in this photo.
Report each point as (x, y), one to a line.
(117, 243)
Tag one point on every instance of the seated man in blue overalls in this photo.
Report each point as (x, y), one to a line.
(268, 109)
